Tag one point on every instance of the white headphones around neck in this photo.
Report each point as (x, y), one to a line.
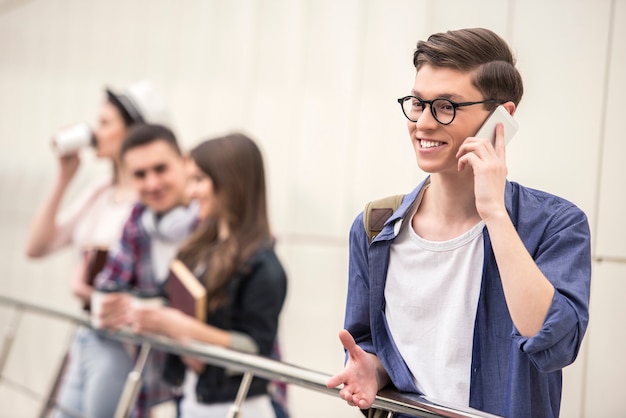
(173, 226)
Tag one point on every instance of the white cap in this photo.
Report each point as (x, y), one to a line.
(142, 103)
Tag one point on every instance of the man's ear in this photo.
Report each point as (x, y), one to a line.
(510, 107)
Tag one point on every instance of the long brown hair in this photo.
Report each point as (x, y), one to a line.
(235, 166)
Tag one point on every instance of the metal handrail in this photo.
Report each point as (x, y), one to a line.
(388, 400)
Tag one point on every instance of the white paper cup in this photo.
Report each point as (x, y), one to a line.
(96, 307)
(97, 297)
(73, 138)
(143, 299)
(146, 300)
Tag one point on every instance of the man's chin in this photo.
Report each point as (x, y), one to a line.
(159, 207)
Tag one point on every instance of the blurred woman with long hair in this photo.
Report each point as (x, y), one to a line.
(231, 253)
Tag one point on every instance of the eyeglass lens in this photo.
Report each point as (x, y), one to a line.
(442, 109)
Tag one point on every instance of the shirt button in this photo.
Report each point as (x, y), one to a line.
(396, 227)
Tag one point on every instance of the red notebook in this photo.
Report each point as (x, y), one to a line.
(185, 292)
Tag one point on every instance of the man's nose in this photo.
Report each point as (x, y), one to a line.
(426, 120)
(152, 181)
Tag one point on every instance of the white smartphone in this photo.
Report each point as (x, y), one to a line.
(499, 115)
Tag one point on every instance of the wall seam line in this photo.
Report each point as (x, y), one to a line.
(595, 223)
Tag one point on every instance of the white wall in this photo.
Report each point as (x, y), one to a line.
(315, 83)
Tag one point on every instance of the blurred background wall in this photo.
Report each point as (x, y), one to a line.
(315, 83)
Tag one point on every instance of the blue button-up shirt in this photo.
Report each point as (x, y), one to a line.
(511, 375)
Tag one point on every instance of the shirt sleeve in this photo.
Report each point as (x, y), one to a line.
(243, 342)
(357, 317)
(70, 217)
(565, 259)
(122, 258)
(259, 306)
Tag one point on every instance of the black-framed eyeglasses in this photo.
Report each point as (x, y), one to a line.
(443, 110)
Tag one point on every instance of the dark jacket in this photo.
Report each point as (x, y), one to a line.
(255, 297)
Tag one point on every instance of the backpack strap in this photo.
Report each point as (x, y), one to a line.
(377, 212)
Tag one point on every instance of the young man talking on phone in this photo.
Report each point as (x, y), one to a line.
(476, 290)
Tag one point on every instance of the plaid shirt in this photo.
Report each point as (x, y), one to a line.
(129, 267)
(129, 264)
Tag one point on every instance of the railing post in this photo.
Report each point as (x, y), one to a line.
(9, 337)
(235, 409)
(50, 400)
(379, 413)
(133, 384)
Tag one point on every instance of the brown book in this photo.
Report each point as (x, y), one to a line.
(185, 292)
(95, 259)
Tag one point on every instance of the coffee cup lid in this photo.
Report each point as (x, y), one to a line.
(146, 293)
(109, 287)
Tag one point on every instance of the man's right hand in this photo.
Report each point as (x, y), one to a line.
(362, 377)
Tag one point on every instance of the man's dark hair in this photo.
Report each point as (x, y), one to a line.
(143, 134)
(480, 52)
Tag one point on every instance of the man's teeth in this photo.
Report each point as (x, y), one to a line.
(430, 144)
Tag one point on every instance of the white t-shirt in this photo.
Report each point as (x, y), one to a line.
(161, 255)
(431, 295)
(96, 219)
(255, 407)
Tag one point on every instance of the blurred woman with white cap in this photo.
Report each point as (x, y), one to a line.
(94, 220)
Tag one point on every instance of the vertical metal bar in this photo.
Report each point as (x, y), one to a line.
(235, 409)
(133, 383)
(9, 337)
(26, 391)
(50, 400)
